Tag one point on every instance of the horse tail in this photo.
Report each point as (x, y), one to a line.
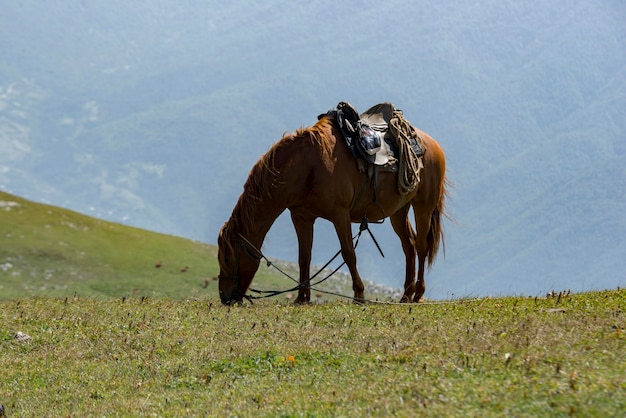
(435, 236)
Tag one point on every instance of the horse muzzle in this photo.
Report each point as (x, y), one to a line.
(230, 298)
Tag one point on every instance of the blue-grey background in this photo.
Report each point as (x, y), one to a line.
(151, 113)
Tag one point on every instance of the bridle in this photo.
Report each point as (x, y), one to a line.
(255, 253)
(242, 244)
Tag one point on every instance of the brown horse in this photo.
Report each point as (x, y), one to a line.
(313, 174)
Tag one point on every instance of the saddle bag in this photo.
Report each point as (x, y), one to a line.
(370, 140)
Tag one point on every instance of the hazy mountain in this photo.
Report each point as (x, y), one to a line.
(152, 113)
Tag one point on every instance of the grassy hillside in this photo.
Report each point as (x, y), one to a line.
(560, 356)
(45, 250)
(49, 251)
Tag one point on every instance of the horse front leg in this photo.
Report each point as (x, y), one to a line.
(403, 229)
(304, 231)
(344, 233)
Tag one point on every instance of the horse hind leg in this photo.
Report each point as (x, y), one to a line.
(403, 229)
(422, 223)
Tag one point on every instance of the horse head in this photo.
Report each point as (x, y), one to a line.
(238, 263)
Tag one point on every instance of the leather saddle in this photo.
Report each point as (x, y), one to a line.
(369, 136)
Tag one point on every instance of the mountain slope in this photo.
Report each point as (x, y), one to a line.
(53, 251)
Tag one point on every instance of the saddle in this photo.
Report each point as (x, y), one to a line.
(374, 136)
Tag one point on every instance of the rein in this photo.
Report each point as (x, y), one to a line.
(254, 252)
(262, 294)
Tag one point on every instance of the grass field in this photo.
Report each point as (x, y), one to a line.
(89, 326)
(559, 356)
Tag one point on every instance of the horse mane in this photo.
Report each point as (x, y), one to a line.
(264, 177)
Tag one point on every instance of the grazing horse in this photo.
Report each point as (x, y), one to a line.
(313, 174)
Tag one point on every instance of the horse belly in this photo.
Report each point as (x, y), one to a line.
(381, 203)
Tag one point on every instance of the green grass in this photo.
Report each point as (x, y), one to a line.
(561, 356)
(53, 252)
(50, 251)
(111, 335)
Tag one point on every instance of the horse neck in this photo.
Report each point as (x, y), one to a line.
(258, 224)
(275, 182)
(255, 221)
